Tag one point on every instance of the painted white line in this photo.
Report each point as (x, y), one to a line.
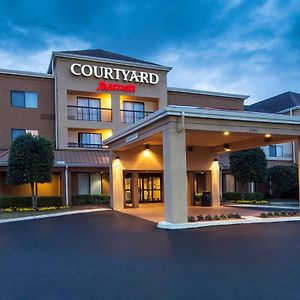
(244, 220)
(61, 214)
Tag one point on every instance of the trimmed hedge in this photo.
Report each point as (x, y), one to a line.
(90, 199)
(19, 201)
(245, 196)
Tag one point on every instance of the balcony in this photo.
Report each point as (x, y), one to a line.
(84, 145)
(132, 116)
(91, 114)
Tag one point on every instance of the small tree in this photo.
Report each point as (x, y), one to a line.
(249, 166)
(30, 162)
(285, 179)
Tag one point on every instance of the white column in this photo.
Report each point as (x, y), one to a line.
(215, 183)
(175, 175)
(116, 181)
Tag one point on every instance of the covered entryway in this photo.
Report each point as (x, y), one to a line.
(183, 142)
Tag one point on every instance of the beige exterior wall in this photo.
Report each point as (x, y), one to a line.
(205, 101)
(69, 87)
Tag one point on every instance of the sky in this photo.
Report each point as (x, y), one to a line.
(249, 47)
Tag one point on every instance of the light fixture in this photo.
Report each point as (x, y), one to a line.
(226, 147)
(216, 159)
(226, 133)
(190, 148)
(147, 147)
(117, 157)
(267, 137)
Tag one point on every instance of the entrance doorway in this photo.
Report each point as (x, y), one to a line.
(150, 188)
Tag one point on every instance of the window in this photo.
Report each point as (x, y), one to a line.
(89, 183)
(89, 109)
(90, 140)
(276, 151)
(17, 132)
(133, 111)
(24, 99)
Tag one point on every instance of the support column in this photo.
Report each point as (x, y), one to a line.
(135, 190)
(116, 112)
(191, 187)
(116, 181)
(175, 175)
(215, 184)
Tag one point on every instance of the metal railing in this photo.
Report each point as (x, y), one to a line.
(92, 114)
(85, 145)
(132, 116)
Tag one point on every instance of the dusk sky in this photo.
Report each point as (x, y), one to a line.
(237, 46)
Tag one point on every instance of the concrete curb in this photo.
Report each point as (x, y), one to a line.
(261, 206)
(54, 215)
(244, 220)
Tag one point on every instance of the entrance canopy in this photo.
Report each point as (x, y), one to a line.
(177, 140)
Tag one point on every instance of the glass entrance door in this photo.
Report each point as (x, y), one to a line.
(150, 188)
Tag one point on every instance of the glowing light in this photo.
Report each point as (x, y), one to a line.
(226, 133)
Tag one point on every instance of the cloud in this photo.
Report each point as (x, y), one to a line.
(38, 60)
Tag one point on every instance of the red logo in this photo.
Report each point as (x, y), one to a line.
(128, 88)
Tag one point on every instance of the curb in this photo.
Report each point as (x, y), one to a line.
(54, 215)
(245, 220)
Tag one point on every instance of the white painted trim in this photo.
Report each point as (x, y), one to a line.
(25, 73)
(109, 61)
(54, 215)
(208, 93)
(244, 220)
(288, 109)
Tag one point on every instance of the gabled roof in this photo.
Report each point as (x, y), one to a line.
(276, 104)
(106, 56)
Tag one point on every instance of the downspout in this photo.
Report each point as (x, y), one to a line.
(293, 143)
(182, 127)
(55, 104)
(67, 184)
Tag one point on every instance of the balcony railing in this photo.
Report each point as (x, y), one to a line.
(92, 114)
(84, 145)
(132, 116)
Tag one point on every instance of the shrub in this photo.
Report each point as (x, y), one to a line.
(19, 201)
(232, 196)
(253, 196)
(216, 217)
(270, 214)
(284, 214)
(230, 216)
(258, 202)
(237, 216)
(200, 218)
(208, 218)
(263, 215)
(90, 199)
(223, 217)
(192, 219)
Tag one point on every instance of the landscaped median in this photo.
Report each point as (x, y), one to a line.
(18, 208)
(234, 219)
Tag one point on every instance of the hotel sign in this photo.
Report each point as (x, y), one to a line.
(130, 76)
(132, 137)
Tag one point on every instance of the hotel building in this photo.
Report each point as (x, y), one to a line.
(118, 129)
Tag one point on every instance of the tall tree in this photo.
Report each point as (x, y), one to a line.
(249, 166)
(30, 162)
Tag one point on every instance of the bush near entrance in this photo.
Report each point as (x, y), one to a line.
(284, 181)
(90, 199)
(248, 166)
(16, 201)
(238, 196)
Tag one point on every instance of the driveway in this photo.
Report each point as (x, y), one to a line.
(110, 255)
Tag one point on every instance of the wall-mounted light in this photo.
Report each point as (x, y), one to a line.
(117, 157)
(226, 147)
(190, 148)
(147, 147)
(226, 133)
(216, 159)
(267, 137)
